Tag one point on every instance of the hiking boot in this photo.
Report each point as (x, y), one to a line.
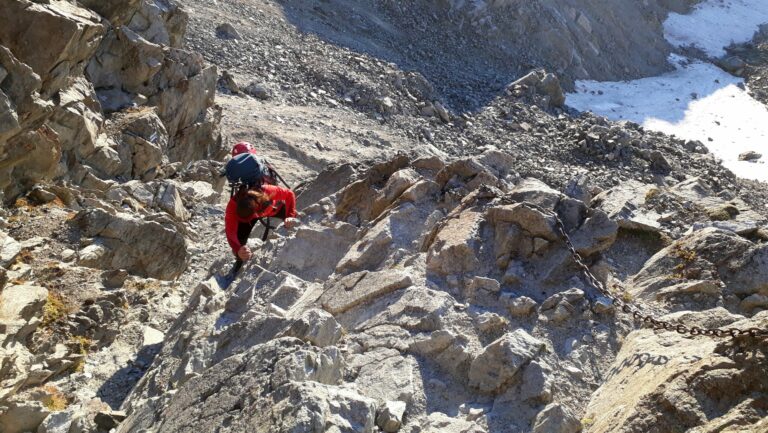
(236, 267)
(225, 280)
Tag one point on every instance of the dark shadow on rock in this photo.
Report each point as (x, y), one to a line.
(443, 392)
(467, 76)
(115, 390)
(637, 361)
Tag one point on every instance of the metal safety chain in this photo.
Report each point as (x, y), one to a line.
(636, 313)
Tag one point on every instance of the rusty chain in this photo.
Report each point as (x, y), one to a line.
(635, 312)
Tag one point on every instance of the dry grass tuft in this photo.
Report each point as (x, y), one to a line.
(54, 400)
(82, 346)
(55, 309)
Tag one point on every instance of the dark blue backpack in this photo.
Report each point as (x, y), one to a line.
(250, 171)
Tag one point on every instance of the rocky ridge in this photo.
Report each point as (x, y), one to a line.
(324, 91)
(74, 95)
(420, 293)
(108, 132)
(426, 296)
(465, 51)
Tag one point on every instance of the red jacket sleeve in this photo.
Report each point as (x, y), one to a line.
(284, 195)
(230, 225)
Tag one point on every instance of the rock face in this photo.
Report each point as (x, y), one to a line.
(444, 299)
(29, 148)
(500, 361)
(469, 300)
(358, 288)
(702, 385)
(425, 291)
(674, 209)
(121, 241)
(54, 126)
(422, 298)
(292, 401)
(78, 32)
(708, 266)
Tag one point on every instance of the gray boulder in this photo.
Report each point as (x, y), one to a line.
(751, 156)
(556, 418)
(390, 416)
(543, 83)
(625, 204)
(708, 263)
(227, 31)
(9, 249)
(169, 200)
(316, 327)
(733, 64)
(21, 310)
(496, 366)
(258, 91)
(22, 417)
(122, 241)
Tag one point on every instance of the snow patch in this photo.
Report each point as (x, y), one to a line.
(698, 101)
(715, 24)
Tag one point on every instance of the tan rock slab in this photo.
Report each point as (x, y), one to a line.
(360, 287)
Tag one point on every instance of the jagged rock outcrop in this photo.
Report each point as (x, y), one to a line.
(173, 80)
(161, 22)
(29, 149)
(123, 241)
(427, 292)
(55, 56)
(711, 266)
(117, 12)
(667, 382)
(461, 292)
(418, 295)
(59, 88)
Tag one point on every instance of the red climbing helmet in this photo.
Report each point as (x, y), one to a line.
(243, 147)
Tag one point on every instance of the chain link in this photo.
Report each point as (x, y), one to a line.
(636, 313)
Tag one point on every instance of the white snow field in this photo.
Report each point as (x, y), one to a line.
(715, 24)
(697, 101)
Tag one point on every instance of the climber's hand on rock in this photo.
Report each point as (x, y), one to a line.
(244, 253)
(291, 223)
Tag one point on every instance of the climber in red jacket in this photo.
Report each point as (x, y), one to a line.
(250, 205)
